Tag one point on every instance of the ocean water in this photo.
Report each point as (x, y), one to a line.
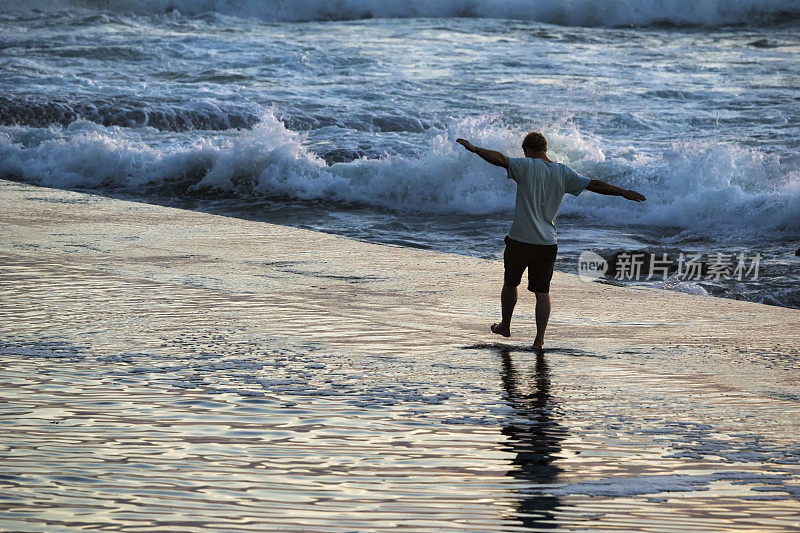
(342, 117)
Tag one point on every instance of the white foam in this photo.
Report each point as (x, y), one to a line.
(699, 188)
(676, 284)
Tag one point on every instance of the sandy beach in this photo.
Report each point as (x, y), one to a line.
(171, 369)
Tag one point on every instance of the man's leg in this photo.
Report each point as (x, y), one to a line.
(542, 316)
(514, 264)
(508, 300)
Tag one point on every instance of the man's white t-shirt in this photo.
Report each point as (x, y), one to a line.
(540, 189)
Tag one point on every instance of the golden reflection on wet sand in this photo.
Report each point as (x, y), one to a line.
(161, 401)
(218, 425)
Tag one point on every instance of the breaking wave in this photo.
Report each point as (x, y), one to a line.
(698, 188)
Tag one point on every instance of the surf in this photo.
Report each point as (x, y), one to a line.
(735, 187)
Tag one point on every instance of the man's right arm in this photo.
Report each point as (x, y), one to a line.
(490, 156)
(601, 187)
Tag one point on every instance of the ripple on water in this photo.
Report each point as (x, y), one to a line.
(208, 421)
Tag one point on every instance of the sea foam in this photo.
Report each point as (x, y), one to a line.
(696, 187)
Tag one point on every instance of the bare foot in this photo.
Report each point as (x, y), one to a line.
(538, 347)
(501, 329)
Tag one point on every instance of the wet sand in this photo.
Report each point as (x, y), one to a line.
(171, 369)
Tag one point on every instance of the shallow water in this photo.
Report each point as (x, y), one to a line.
(142, 404)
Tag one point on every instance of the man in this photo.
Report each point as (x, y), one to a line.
(531, 241)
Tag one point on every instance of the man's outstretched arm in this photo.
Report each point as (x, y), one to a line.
(601, 187)
(490, 156)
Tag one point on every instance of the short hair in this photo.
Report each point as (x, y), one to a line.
(535, 142)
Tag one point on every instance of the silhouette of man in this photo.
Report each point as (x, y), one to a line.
(531, 241)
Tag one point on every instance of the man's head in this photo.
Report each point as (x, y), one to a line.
(534, 144)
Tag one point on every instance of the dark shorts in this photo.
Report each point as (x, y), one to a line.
(539, 259)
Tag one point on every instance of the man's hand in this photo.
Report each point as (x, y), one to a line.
(633, 196)
(466, 144)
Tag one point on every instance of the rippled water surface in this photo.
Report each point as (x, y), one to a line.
(131, 404)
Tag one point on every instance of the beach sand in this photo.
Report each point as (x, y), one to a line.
(171, 369)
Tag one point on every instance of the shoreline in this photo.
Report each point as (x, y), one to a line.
(293, 254)
(418, 298)
(165, 366)
(570, 246)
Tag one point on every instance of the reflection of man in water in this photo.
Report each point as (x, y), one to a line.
(531, 241)
(535, 437)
